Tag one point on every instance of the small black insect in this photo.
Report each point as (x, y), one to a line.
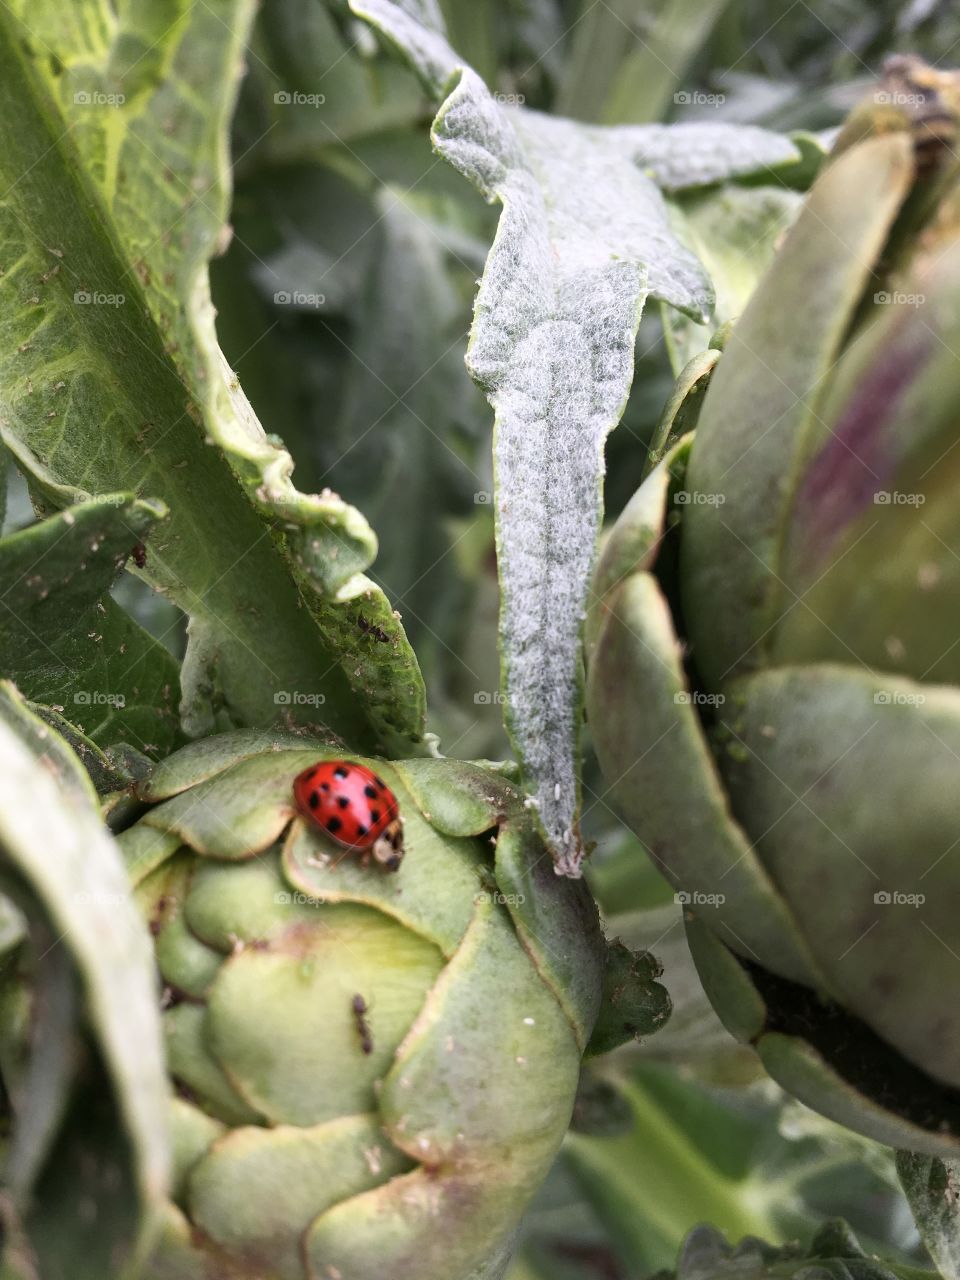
(371, 629)
(359, 1006)
(139, 554)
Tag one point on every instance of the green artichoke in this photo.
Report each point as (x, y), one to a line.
(773, 647)
(373, 1070)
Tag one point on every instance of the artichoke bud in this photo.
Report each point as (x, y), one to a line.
(910, 97)
(817, 440)
(373, 1068)
(773, 664)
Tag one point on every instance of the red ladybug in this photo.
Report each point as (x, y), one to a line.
(353, 806)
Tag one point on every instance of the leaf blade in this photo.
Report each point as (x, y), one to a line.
(583, 237)
(67, 644)
(57, 849)
(118, 181)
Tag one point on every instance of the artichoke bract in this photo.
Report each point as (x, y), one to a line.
(773, 648)
(373, 1070)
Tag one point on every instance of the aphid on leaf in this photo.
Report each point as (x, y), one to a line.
(360, 1011)
(354, 807)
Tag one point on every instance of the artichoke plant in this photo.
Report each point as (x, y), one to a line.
(773, 653)
(373, 1069)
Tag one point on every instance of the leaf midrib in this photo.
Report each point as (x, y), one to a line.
(222, 586)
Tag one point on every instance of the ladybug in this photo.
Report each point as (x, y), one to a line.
(349, 803)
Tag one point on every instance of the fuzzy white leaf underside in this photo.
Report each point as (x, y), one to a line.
(584, 236)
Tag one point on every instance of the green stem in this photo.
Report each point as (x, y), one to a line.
(652, 1185)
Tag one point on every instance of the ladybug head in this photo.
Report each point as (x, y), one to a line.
(388, 847)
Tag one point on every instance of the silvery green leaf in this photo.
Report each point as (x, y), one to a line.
(584, 236)
(931, 1186)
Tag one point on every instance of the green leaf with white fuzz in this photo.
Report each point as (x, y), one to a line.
(584, 236)
(113, 154)
(930, 1185)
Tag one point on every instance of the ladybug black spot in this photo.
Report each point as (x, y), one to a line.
(314, 799)
(379, 782)
(343, 802)
(333, 825)
(341, 771)
(370, 792)
(362, 830)
(324, 786)
(374, 815)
